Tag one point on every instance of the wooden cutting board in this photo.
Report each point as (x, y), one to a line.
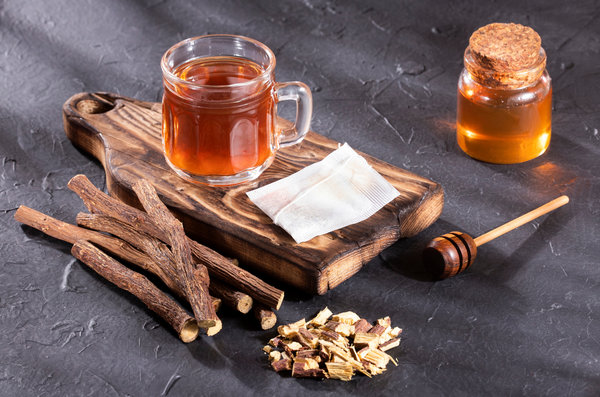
(125, 135)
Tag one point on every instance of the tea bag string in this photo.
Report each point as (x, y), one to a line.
(305, 192)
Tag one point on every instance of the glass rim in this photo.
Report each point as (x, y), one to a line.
(167, 71)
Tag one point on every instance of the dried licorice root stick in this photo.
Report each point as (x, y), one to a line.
(237, 277)
(157, 259)
(71, 234)
(235, 299)
(153, 247)
(165, 261)
(195, 277)
(138, 285)
(100, 203)
(265, 316)
(117, 247)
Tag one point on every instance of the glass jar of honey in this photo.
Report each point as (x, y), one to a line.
(504, 107)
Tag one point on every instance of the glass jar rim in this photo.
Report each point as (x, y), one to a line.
(173, 78)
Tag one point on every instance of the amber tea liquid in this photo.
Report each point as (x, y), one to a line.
(208, 134)
(498, 131)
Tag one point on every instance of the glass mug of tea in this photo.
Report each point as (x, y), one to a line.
(219, 124)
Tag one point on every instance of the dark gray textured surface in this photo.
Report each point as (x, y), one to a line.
(524, 320)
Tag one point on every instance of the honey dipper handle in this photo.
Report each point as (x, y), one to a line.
(523, 219)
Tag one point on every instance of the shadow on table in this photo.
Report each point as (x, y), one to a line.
(404, 257)
(503, 268)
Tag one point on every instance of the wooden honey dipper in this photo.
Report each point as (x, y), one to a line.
(450, 254)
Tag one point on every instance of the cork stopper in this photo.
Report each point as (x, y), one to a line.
(505, 55)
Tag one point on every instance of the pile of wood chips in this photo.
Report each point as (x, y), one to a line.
(334, 347)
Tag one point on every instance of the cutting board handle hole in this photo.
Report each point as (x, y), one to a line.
(90, 106)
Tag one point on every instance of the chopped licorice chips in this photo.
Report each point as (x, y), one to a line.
(333, 346)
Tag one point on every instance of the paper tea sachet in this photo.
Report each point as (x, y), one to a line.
(340, 190)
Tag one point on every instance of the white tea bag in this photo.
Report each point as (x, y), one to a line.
(340, 190)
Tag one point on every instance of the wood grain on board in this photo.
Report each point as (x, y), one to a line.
(124, 134)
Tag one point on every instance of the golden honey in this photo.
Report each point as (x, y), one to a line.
(504, 112)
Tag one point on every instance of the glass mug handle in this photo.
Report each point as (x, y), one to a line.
(299, 92)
